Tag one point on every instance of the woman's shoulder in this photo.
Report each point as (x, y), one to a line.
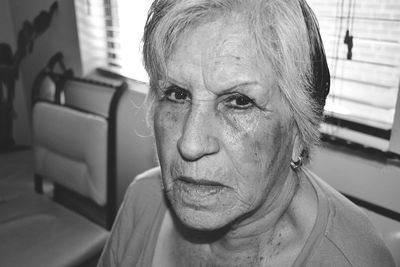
(147, 178)
(146, 183)
(133, 234)
(144, 193)
(349, 232)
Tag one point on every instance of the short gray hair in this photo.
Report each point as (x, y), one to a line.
(280, 34)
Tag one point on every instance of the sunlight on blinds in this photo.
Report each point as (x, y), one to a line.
(132, 17)
(364, 88)
(92, 36)
(125, 22)
(362, 43)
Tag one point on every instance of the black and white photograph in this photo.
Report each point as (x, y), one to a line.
(199, 133)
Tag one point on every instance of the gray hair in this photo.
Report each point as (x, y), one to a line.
(279, 32)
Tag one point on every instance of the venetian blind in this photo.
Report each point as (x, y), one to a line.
(365, 79)
(125, 20)
(110, 33)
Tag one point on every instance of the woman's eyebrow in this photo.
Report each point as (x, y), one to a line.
(240, 85)
(176, 82)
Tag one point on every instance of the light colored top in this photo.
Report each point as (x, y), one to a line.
(342, 234)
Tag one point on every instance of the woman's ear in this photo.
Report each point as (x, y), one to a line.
(297, 147)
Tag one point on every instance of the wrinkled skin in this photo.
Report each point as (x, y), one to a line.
(224, 136)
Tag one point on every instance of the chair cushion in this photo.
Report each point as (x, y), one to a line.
(94, 98)
(35, 231)
(70, 148)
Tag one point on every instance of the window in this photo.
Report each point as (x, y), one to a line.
(90, 16)
(361, 106)
(125, 21)
(364, 79)
(110, 33)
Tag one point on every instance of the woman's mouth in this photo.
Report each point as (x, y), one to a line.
(199, 188)
(203, 182)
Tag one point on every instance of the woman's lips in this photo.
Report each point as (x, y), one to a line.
(204, 182)
(199, 188)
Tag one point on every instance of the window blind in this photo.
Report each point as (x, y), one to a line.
(90, 17)
(365, 79)
(111, 33)
(125, 22)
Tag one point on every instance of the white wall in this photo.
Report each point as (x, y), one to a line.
(370, 180)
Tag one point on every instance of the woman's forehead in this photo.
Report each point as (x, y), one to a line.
(216, 53)
(213, 41)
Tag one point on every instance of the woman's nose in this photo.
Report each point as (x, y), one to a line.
(198, 139)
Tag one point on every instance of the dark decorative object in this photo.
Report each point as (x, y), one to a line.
(9, 65)
(51, 93)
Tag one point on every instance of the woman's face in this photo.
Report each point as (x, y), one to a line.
(223, 135)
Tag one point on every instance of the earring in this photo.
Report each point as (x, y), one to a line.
(296, 164)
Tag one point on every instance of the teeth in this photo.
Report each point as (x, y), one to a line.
(208, 190)
(199, 189)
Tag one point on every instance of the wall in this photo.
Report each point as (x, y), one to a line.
(61, 36)
(366, 178)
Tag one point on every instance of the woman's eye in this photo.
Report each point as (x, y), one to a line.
(239, 101)
(177, 94)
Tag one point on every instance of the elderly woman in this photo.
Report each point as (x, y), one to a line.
(237, 90)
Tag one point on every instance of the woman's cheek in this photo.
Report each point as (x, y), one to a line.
(245, 144)
(168, 118)
(166, 131)
(245, 133)
(254, 143)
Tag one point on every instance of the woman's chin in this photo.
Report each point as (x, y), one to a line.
(201, 220)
